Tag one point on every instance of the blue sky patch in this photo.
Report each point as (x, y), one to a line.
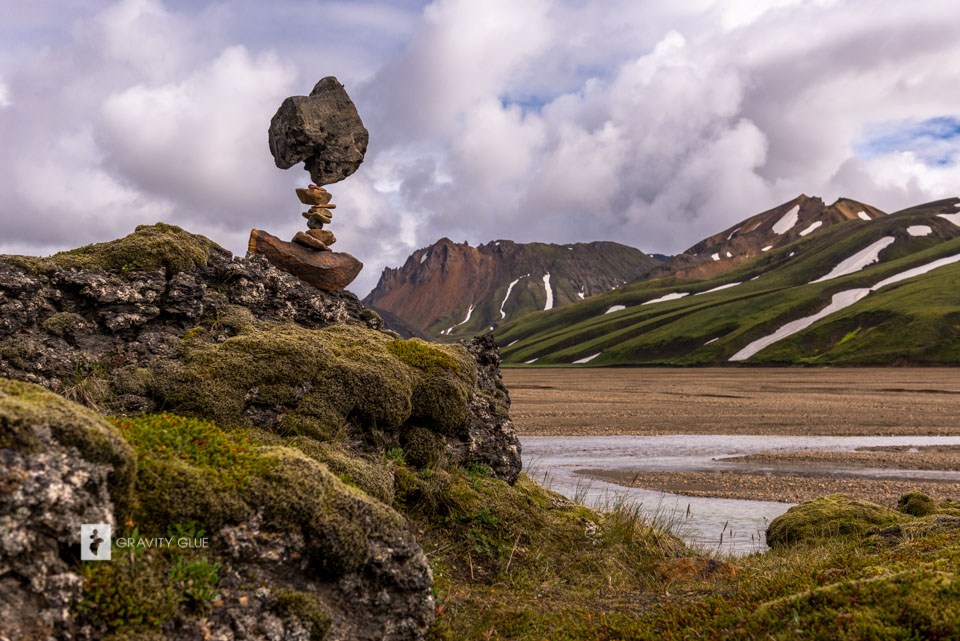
(935, 142)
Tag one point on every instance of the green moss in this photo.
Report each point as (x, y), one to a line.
(307, 608)
(140, 589)
(315, 383)
(170, 490)
(353, 468)
(200, 443)
(148, 248)
(63, 324)
(916, 504)
(337, 521)
(423, 355)
(131, 380)
(132, 590)
(831, 516)
(914, 604)
(192, 471)
(26, 410)
(422, 448)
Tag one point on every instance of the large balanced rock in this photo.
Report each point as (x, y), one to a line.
(326, 270)
(322, 130)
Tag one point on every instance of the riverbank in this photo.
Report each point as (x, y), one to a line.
(785, 488)
(761, 401)
(755, 407)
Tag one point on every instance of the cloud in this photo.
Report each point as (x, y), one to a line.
(653, 123)
(203, 138)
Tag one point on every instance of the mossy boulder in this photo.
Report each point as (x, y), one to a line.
(30, 415)
(61, 465)
(340, 381)
(828, 517)
(351, 467)
(243, 486)
(148, 248)
(916, 504)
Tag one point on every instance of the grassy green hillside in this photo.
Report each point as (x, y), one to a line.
(915, 320)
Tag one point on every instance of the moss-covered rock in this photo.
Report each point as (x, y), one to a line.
(353, 468)
(422, 448)
(916, 504)
(61, 465)
(318, 383)
(148, 248)
(305, 607)
(28, 412)
(64, 324)
(262, 488)
(836, 515)
(337, 521)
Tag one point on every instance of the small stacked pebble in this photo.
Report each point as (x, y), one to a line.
(319, 214)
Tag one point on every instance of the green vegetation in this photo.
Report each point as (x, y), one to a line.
(916, 321)
(895, 582)
(142, 588)
(322, 383)
(26, 410)
(423, 355)
(519, 560)
(305, 607)
(916, 504)
(828, 517)
(148, 248)
(509, 562)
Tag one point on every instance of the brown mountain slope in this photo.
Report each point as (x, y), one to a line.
(452, 290)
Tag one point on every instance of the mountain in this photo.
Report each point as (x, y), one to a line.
(764, 232)
(849, 291)
(451, 290)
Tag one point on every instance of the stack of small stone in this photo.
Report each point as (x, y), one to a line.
(319, 214)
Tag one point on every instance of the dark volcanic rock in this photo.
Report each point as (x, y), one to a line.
(327, 270)
(64, 325)
(164, 319)
(490, 437)
(59, 465)
(323, 130)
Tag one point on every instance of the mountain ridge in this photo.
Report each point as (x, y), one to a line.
(450, 289)
(876, 291)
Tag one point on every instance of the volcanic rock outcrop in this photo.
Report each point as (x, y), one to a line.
(325, 132)
(303, 385)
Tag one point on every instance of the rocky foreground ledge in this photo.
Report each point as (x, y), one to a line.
(267, 418)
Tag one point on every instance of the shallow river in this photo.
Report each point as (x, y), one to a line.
(728, 525)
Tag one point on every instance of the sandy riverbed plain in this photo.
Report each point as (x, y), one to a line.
(757, 401)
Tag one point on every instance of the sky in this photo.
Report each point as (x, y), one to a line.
(653, 123)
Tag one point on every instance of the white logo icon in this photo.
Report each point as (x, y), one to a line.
(95, 542)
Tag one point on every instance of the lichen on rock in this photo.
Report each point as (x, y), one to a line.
(60, 465)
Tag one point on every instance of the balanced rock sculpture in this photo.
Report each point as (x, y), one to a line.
(323, 131)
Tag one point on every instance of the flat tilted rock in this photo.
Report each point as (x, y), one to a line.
(322, 130)
(326, 270)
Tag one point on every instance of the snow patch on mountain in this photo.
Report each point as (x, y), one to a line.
(863, 258)
(787, 221)
(503, 314)
(812, 228)
(546, 286)
(663, 299)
